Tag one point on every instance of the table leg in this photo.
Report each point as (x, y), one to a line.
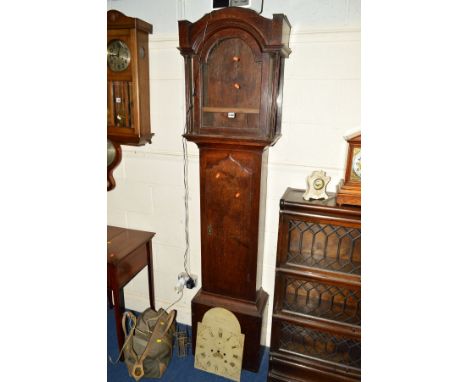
(119, 309)
(149, 252)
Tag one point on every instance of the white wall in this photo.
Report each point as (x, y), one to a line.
(321, 104)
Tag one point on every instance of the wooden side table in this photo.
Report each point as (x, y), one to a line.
(128, 252)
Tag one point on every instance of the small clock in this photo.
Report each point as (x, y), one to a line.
(317, 186)
(349, 189)
(118, 55)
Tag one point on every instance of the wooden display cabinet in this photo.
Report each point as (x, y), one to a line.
(316, 325)
(234, 63)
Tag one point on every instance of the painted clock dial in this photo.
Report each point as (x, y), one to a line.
(219, 351)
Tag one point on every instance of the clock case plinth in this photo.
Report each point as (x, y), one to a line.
(128, 90)
(234, 64)
(349, 189)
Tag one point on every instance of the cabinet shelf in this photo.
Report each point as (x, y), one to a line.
(331, 264)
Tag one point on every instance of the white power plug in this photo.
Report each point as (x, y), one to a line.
(180, 284)
(184, 280)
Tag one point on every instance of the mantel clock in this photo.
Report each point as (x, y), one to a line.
(349, 189)
(128, 105)
(234, 63)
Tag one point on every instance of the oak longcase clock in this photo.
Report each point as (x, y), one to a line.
(128, 105)
(234, 63)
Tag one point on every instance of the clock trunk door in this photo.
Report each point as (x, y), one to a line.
(230, 222)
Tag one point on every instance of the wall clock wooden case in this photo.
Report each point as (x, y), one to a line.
(234, 62)
(128, 105)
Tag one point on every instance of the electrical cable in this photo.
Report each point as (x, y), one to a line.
(186, 200)
(186, 186)
(186, 191)
(176, 301)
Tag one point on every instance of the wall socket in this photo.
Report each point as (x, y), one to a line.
(184, 280)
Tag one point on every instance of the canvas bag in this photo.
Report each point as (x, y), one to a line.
(148, 343)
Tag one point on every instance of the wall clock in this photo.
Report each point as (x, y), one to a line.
(220, 344)
(349, 189)
(128, 105)
(234, 64)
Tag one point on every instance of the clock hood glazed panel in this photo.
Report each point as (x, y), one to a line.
(234, 60)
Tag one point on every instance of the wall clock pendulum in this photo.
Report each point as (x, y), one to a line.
(234, 64)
